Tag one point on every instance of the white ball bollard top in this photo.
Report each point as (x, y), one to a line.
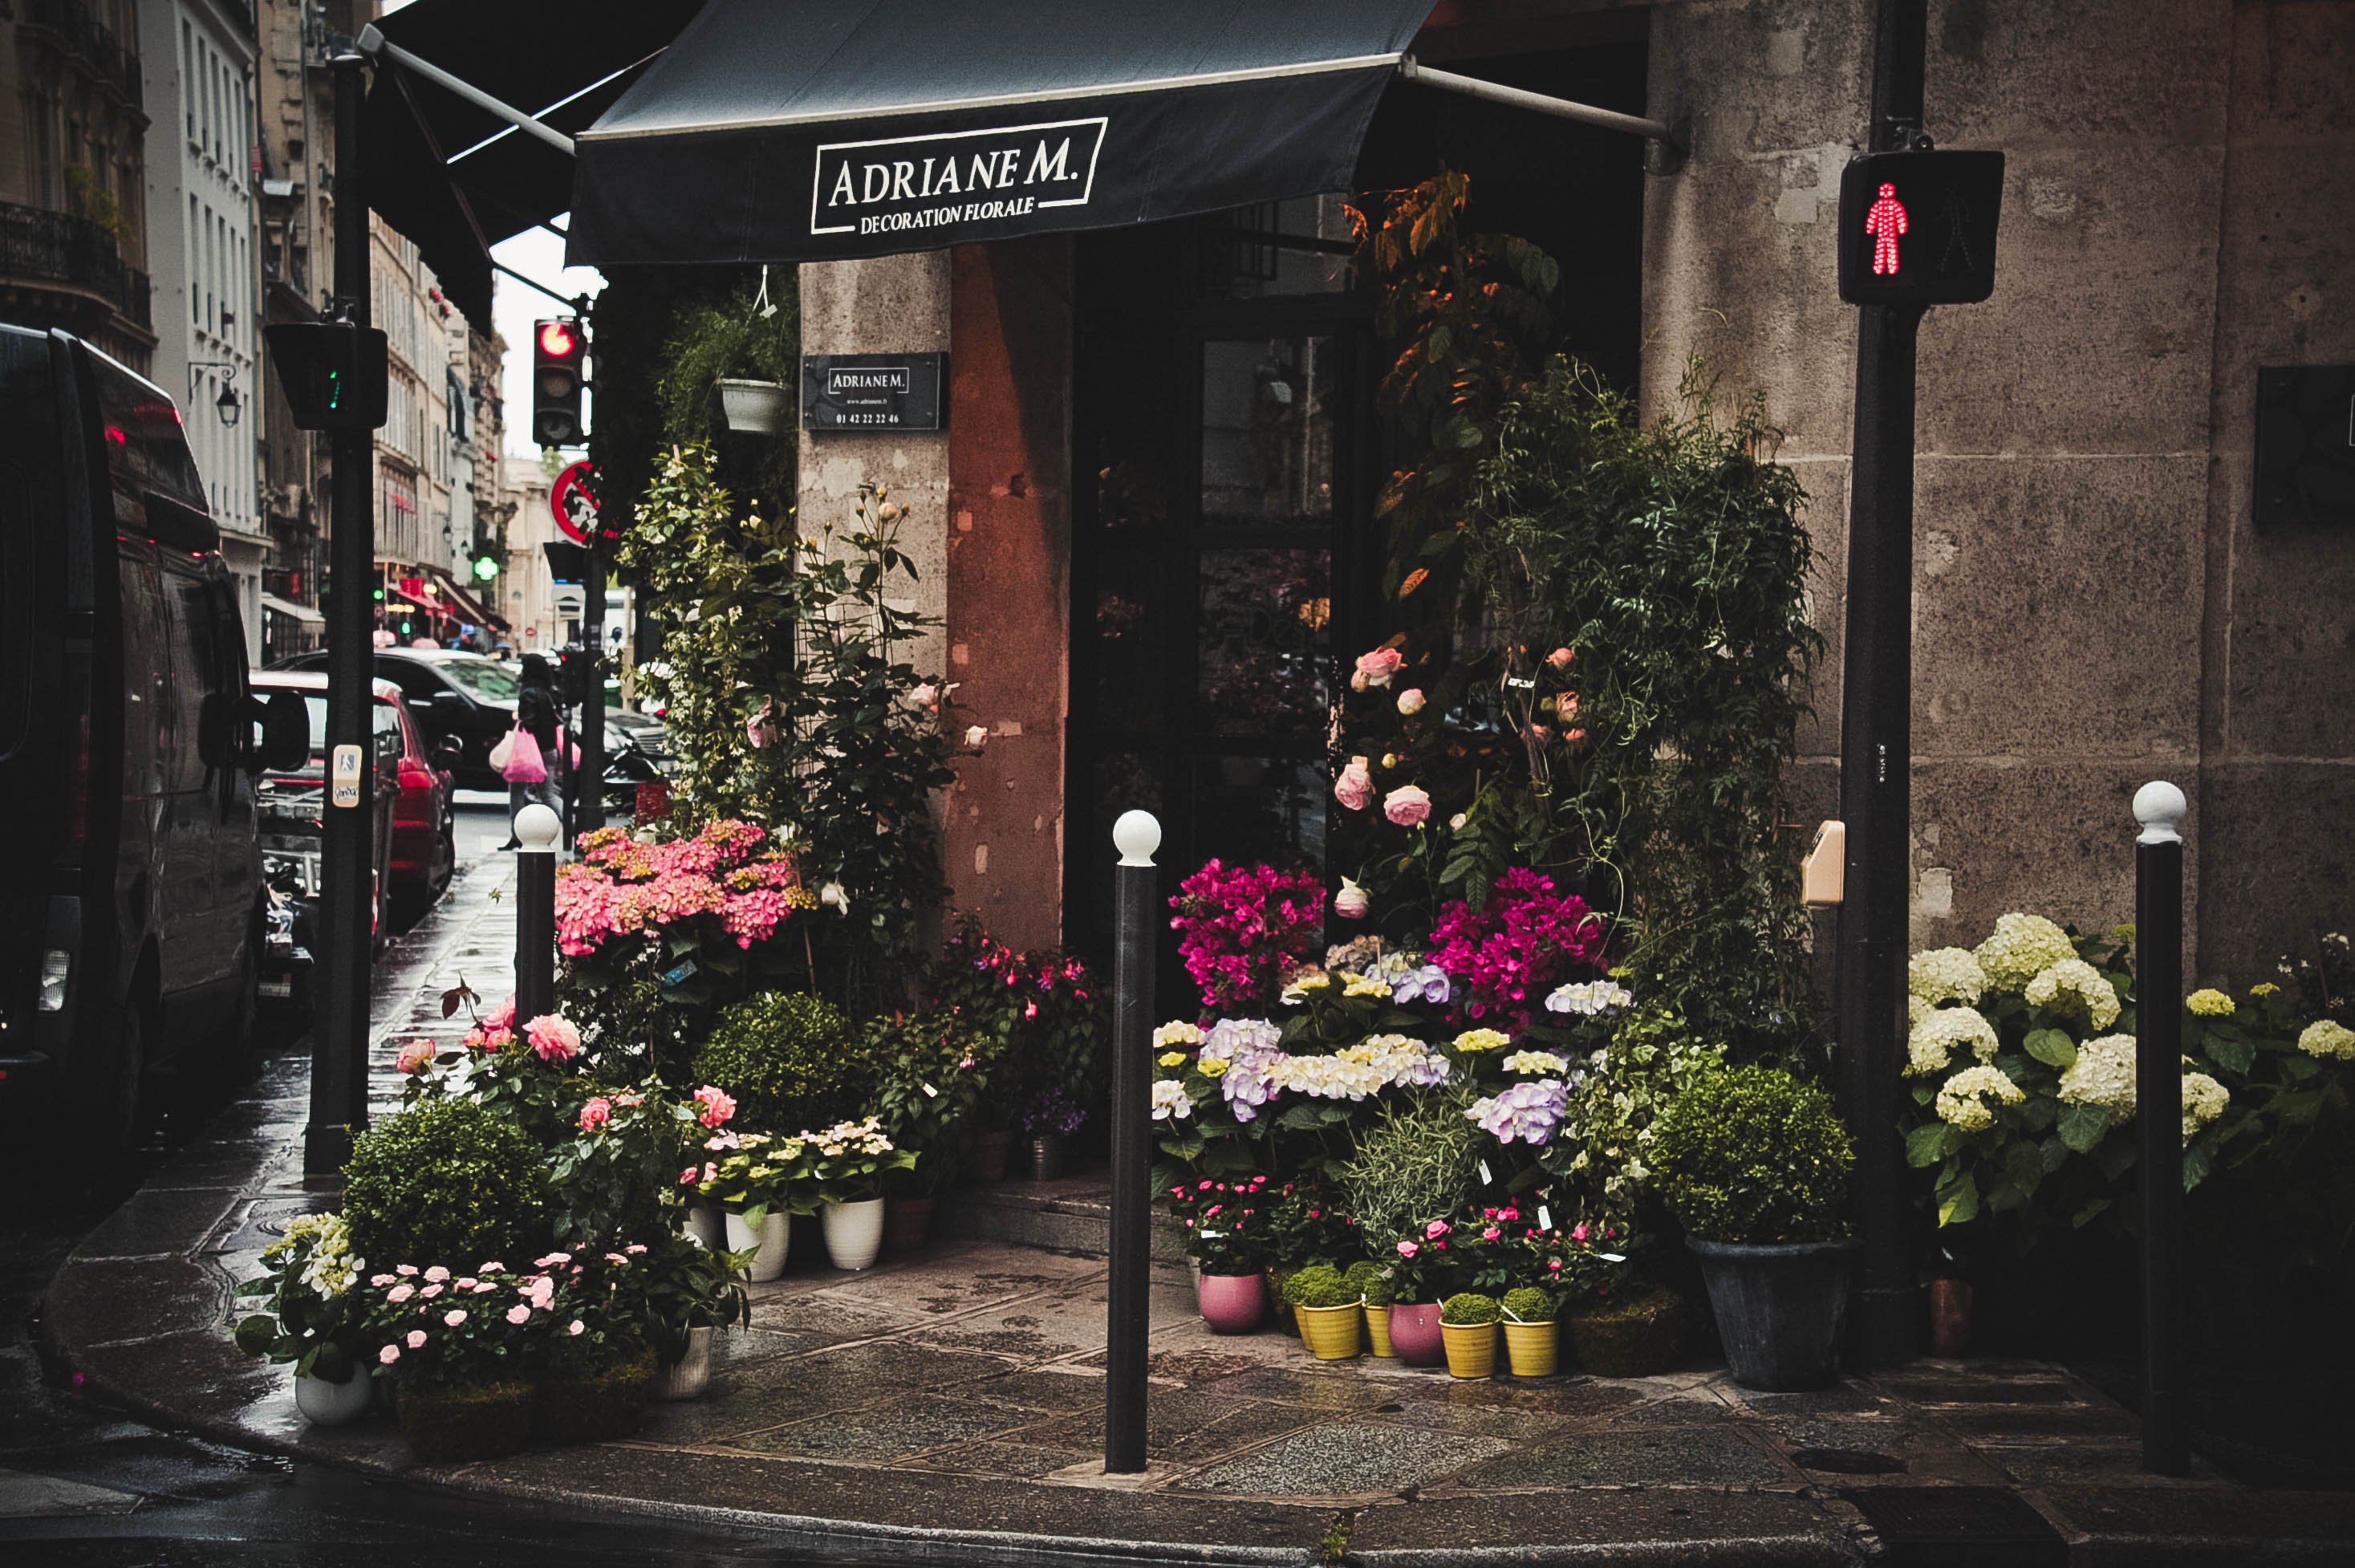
(2159, 807)
(537, 828)
(1136, 835)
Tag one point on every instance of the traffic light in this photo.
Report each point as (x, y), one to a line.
(559, 347)
(1919, 228)
(334, 374)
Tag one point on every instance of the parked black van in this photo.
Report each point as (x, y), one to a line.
(131, 893)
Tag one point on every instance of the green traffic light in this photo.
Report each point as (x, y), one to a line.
(335, 390)
(380, 593)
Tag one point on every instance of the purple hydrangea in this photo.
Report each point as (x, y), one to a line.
(1527, 1112)
(1428, 983)
(1252, 1052)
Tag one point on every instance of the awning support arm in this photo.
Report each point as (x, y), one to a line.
(1537, 103)
(376, 46)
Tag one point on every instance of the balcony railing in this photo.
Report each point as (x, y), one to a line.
(82, 37)
(61, 248)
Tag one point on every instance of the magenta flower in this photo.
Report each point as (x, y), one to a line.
(1407, 1249)
(596, 1114)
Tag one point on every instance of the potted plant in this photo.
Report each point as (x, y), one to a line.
(757, 1183)
(1531, 1346)
(1328, 1311)
(1420, 1263)
(464, 1350)
(846, 1163)
(1754, 1165)
(1372, 1284)
(688, 1291)
(744, 346)
(1637, 1331)
(932, 1072)
(1051, 1117)
(315, 1321)
(1226, 1234)
(1467, 1323)
(598, 1369)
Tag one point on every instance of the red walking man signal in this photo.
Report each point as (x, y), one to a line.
(1885, 220)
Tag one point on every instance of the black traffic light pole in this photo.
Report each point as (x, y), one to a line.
(591, 812)
(1877, 747)
(339, 1031)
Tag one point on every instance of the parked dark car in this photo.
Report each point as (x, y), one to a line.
(132, 903)
(468, 698)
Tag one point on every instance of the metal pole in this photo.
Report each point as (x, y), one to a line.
(339, 1033)
(1129, 1306)
(1877, 752)
(2159, 1120)
(538, 829)
(591, 810)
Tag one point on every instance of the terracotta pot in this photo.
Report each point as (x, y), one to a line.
(1232, 1303)
(1047, 1156)
(1533, 1350)
(907, 1224)
(1415, 1333)
(854, 1232)
(989, 1156)
(1470, 1348)
(1377, 1331)
(1331, 1332)
(1950, 1318)
(768, 1241)
(457, 1425)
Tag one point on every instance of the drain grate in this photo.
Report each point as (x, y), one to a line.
(1958, 1526)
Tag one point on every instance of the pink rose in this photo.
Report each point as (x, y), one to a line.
(1407, 1249)
(436, 1275)
(555, 1038)
(399, 1293)
(502, 1016)
(518, 1314)
(1578, 1233)
(1352, 901)
(689, 1176)
(389, 1355)
(404, 1268)
(382, 1280)
(1377, 667)
(494, 1268)
(577, 1326)
(430, 1292)
(925, 695)
(1355, 786)
(1406, 805)
(454, 1316)
(1435, 1229)
(634, 1248)
(417, 1054)
(417, 1339)
(1410, 702)
(1560, 658)
(596, 1114)
(718, 1106)
(1490, 1234)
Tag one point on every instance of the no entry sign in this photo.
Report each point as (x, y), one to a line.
(573, 499)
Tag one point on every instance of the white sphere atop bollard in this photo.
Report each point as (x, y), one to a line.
(1136, 835)
(536, 829)
(2159, 807)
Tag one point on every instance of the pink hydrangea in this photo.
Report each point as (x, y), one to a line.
(1406, 805)
(553, 1036)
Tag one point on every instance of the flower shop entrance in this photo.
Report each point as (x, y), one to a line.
(1221, 554)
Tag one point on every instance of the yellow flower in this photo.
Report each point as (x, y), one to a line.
(1360, 985)
(1481, 1039)
(2209, 1004)
(1178, 1033)
(1173, 1058)
(2265, 989)
(1211, 1066)
(1619, 972)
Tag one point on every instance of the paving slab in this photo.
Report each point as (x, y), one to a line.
(1670, 1455)
(1344, 1461)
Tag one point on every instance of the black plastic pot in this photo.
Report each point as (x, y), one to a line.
(1780, 1307)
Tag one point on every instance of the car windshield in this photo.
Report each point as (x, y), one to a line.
(484, 680)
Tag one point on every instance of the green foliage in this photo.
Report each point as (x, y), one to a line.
(931, 1073)
(609, 1182)
(1334, 1291)
(1754, 1155)
(449, 1182)
(1318, 1284)
(686, 1286)
(1416, 1163)
(1043, 1017)
(1601, 1177)
(1468, 1309)
(314, 1318)
(1369, 1281)
(1527, 1304)
(728, 338)
(783, 1056)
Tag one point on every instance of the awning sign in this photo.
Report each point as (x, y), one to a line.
(951, 178)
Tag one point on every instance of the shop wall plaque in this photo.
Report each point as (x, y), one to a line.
(873, 392)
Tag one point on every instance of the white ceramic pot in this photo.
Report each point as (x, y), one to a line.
(854, 1232)
(756, 408)
(689, 1376)
(771, 1236)
(702, 1226)
(324, 1404)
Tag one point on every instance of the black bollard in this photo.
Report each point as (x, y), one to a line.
(535, 962)
(1129, 1306)
(2159, 1120)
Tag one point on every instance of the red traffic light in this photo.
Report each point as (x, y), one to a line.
(556, 340)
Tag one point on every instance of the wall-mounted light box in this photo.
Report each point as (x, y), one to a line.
(2305, 445)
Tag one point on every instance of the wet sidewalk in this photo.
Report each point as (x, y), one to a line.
(948, 1406)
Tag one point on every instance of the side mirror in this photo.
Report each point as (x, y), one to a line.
(447, 754)
(285, 733)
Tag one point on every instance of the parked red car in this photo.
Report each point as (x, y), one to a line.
(424, 816)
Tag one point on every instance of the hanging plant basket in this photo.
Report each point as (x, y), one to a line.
(755, 408)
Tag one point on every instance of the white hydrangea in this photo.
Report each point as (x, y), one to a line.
(2205, 1100)
(2328, 1037)
(1589, 996)
(1931, 1043)
(1963, 1098)
(1946, 975)
(2022, 947)
(2104, 1076)
(1179, 1033)
(1170, 1099)
(1328, 1077)
(1399, 1060)
(1916, 1009)
(2075, 987)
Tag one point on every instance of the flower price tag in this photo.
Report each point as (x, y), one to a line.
(1545, 1218)
(1209, 1235)
(1484, 1177)
(929, 1092)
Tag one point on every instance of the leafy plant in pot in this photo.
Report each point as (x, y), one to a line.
(1467, 1322)
(1227, 1234)
(1329, 1310)
(466, 1350)
(689, 1291)
(315, 1320)
(933, 1073)
(598, 1369)
(758, 1183)
(846, 1163)
(1754, 1165)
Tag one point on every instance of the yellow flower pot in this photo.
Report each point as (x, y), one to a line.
(1377, 1331)
(1531, 1350)
(1470, 1348)
(1331, 1332)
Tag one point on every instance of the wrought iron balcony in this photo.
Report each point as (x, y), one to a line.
(38, 245)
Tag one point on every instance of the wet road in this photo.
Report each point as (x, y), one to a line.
(83, 1485)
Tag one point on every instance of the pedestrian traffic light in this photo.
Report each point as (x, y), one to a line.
(559, 347)
(1919, 228)
(335, 373)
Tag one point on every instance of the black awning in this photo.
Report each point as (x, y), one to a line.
(793, 129)
(565, 65)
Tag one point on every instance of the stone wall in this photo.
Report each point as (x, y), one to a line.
(2091, 605)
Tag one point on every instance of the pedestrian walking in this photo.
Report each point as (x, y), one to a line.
(535, 761)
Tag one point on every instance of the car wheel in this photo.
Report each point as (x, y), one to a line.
(446, 857)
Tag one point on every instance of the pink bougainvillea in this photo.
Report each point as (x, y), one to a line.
(1242, 928)
(1526, 940)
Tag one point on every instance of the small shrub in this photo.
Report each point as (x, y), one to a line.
(1315, 1280)
(1529, 1305)
(1331, 1288)
(1368, 1281)
(1756, 1155)
(449, 1182)
(781, 1055)
(1468, 1309)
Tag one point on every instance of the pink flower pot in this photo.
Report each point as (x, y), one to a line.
(1232, 1303)
(1415, 1333)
